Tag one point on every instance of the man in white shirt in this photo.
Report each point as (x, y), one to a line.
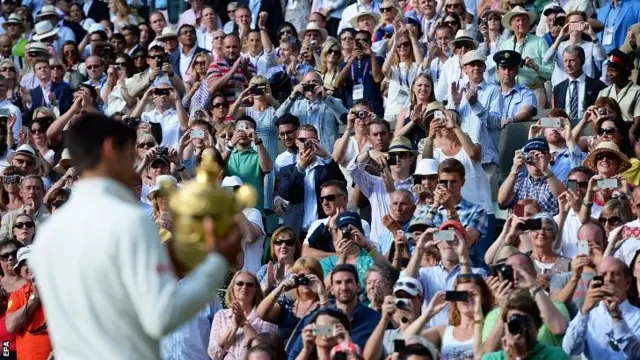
(607, 326)
(252, 228)
(353, 10)
(168, 112)
(122, 259)
(452, 68)
(49, 13)
(12, 109)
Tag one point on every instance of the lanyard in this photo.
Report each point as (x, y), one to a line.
(406, 77)
(360, 79)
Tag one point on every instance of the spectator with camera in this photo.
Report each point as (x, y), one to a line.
(295, 297)
(517, 273)
(319, 242)
(394, 167)
(168, 112)
(316, 108)
(159, 65)
(607, 324)
(243, 160)
(397, 220)
(299, 183)
(449, 239)
(344, 280)
(400, 310)
(521, 320)
(327, 329)
(539, 183)
(519, 103)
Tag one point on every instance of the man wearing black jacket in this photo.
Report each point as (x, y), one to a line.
(299, 183)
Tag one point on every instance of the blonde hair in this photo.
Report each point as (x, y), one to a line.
(311, 264)
(145, 136)
(43, 110)
(396, 59)
(122, 10)
(230, 297)
(258, 80)
(331, 42)
(195, 77)
(6, 63)
(285, 230)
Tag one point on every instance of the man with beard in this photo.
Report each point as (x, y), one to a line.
(344, 286)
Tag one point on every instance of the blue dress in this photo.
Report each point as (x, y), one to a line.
(267, 130)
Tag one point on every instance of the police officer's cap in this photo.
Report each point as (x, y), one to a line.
(507, 58)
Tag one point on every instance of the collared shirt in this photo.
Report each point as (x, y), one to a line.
(29, 81)
(202, 99)
(190, 340)
(527, 187)
(450, 72)
(580, 82)
(438, 278)
(354, 9)
(594, 54)
(185, 60)
(565, 160)
(482, 121)
(205, 39)
(470, 215)
(594, 335)
(539, 352)
(363, 320)
(263, 61)
(517, 97)
(374, 189)
(170, 124)
(222, 322)
(628, 98)
(535, 48)
(285, 158)
(386, 239)
(619, 19)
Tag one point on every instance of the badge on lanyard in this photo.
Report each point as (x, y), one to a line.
(403, 94)
(358, 92)
(607, 37)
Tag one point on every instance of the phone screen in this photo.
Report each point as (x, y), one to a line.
(444, 235)
(461, 296)
(583, 248)
(572, 185)
(518, 210)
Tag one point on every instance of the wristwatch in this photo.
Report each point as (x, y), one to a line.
(258, 142)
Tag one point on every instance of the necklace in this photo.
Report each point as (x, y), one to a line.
(297, 308)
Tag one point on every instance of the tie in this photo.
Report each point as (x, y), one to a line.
(573, 101)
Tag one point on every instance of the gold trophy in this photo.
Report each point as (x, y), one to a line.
(197, 199)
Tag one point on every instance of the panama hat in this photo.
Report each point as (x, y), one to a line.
(44, 29)
(314, 27)
(158, 186)
(472, 56)
(168, 33)
(14, 19)
(463, 36)
(65, 162)
(611, 148)
(354, 20)
(401, 144)
(24, 149)
(518, 10)
(47, 10)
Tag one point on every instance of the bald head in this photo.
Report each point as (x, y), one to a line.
(592, 233)
(312, 77)
(615, 272)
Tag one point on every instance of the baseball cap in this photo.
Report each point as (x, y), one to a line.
(231, 181)
(349, 218)
(24, 254)
(427, 167)
(538, 143)
(409, 285)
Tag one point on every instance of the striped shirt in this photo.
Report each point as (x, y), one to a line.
(202, 98)
(482, 119)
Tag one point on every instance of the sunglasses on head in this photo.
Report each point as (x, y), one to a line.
(10, 254)
(614, 220)
(27, 224)
(247, 284)
(608, 131)
(287, 242)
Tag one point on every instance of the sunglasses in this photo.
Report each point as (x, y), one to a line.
(463, 45)
(333, 52)
(91, 67)
(384, 10)
(28, 224)
(147, 144)
(56, 67)
(404, 44)
(302, 140)
(123, 64)
(287, 242)
(453, 6)
(10, 254)
(614, 220)
(608, 131)
(247, 284)
(11, 179)
(23, 161)
(38, 131)
(402, 154)
(219, 105)
(156, 57)
(200, 63)
(58, 203)
(3, 69)
(603, 156)
(329, 198)
(286, 133)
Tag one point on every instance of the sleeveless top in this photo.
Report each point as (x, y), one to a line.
(453, 349)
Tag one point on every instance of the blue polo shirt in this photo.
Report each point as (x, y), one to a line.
(363, 321)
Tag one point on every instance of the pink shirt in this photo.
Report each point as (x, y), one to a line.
(222, 322)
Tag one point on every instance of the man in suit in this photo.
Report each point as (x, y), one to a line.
(49, 93)
(182, 58)
(299, 183)
(575, 94)
(96, 10)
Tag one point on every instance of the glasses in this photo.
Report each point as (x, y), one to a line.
(605, 156)
(247, 284)
(3, 69)
(404, 44)
(200, 63)
(24, 162)
(608, 131)
(11, 254)
(38, 131)
(333, 52)
(147, 145)
(384, 10)
(287, 242)
(613, 220)
(286, 133)
(91, 67)
(156, 57)
(219, 105)
(463, 45)
(56, 67)
(28, 224)
(329, 198)
(453, 6)
(58, 203)
(122, 63)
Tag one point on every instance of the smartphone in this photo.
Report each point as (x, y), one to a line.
(241, 126)
(444, 235)
(572, 185)
(323, 330)
(549, 122)
(608, 183)
(438, 114)
(392, 160)
(531, 224)
(279, 272)
(461, 296)
(583, 247)
(197, 133)
(576, 27)
(518, 210)
(559, 21)
(308, 87)
(159, 91)
(256, 90)
(599, 278)
(399, 346)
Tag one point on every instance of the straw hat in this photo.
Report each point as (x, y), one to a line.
(14, 19)
(38, 46)
(472, 56)
(518, 10)
(315, 27)
(44, 29)
(168, 33)
(611, 148)
(65, 162)
(354, 20)
(24, 149)
(47, 10)
(463, 36)
(504, 254)
(401, 144)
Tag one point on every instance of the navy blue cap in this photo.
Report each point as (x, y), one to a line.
(538, 143)
(349, 218)
(507, 58)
